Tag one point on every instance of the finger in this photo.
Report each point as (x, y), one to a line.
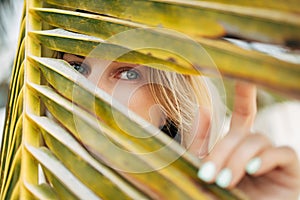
(243, 115)
(244, 109)
(284, 158)
(233, 169)
(217, 158)
(200, 131)
(280, 165)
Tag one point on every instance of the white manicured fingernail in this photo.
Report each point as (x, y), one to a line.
(207, 171)
(253, 165)
(224, 178)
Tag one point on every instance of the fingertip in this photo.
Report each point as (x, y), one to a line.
(245, 89)
(244, 84)
(224, 178)
(207, 171)
(253, 165)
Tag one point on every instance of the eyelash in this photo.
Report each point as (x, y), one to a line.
(86, 68)
(118, 73)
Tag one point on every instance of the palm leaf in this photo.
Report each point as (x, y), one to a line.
(89, 135)
(74, 155)
(62, 175)
(63, 145)
(218, 19)
(290, 5)
(232, 61)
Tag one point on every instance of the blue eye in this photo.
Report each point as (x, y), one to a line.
(129, 74)
(80, 67)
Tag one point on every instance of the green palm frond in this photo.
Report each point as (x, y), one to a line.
(232, 61)
(212, 19)
(62, 137)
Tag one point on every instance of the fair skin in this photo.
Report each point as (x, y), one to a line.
(125, 82)
(278, 176)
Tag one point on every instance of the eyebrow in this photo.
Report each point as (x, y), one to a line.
(79, 56)
(83, 57)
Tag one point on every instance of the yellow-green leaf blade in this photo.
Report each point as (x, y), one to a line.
(245, 22)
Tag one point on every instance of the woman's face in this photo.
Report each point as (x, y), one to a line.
(128, 83)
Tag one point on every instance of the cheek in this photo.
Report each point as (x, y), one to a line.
(137, 97)
(142, 103)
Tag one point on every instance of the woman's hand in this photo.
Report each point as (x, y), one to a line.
(248, 161)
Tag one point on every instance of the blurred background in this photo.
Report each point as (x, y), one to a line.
(10, 15)
(279, 119)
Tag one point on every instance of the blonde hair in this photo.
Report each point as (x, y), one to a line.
(179, 96)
